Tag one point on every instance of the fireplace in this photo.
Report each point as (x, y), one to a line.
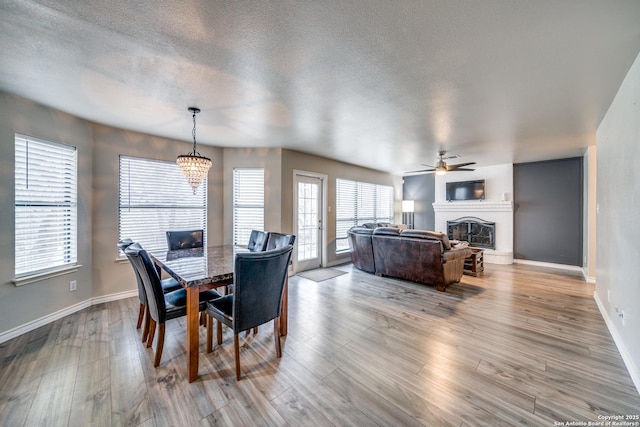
(478, 232)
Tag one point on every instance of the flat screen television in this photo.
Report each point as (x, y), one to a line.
(465, 190)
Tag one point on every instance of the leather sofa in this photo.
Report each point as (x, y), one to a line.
(416, 255)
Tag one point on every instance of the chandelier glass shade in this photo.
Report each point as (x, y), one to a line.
(194, 166)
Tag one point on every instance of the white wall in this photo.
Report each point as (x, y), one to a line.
(110, 277)
(589, 220)
(618, 227)
(270, 160)
(102, 278)
(498, 182)
(333, 169)
(19, 305)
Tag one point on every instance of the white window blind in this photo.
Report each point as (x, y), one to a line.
(248, 203)
(46, 215)
(155, 198)
(358, 203)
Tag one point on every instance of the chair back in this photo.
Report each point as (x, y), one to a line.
(259, 279)
(151, 281)
(187, 239)
(122, 244)
(257, 241)
(279, 240)
(142, 295)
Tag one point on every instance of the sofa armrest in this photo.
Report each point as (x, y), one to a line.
(456, 253)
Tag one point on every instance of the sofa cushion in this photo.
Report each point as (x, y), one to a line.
(360, 230)
(387, 231)
(431, 235)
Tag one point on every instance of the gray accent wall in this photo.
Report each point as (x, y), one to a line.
(548, 211)
(422, 190)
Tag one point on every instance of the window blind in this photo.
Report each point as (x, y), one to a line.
(358, 203)
(248, 203)
(46, 216)
(154, 197)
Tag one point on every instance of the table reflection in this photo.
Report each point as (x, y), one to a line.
(198, 266)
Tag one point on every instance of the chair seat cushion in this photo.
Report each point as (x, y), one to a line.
(221, 307)
(179, 298)
(169, 285)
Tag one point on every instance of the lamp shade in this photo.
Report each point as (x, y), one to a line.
(407, 206)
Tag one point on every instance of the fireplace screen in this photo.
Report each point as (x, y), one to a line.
(478, 232)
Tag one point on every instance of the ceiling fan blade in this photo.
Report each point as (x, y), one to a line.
(429, 166)
(424, 170)
(459, 165)
(461, 169)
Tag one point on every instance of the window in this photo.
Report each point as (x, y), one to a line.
(248, 203)
(358, 203)
(46, 217)
(154, 198)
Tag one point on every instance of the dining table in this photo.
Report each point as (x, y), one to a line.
(199, 269)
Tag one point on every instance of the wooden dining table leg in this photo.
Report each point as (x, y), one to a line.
(284, 311)
(193, 344)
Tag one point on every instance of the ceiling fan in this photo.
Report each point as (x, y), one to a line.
(441, 168)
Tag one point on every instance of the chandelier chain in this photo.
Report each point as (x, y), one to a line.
(194, 132)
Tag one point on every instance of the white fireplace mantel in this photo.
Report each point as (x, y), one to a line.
(475, 206)
(495, 211)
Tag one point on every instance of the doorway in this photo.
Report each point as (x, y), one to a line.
(308, 220)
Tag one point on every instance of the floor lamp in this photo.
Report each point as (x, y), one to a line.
(407, 213)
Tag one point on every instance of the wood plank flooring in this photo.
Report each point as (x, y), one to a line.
(519, 345)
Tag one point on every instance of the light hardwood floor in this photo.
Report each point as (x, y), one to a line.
(519, 345)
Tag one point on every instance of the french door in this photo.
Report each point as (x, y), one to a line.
(309, 221)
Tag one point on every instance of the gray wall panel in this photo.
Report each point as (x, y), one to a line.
(421, 189)
(548, 213)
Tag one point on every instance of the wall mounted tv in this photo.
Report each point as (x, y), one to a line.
(465, 190)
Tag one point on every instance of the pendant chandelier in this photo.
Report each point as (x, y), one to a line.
(194, 166)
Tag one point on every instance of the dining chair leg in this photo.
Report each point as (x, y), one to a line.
(219, 332)
(145, 330)
(209, 334)
(276, 336)
(255, 330)
(159, 345)
(236, 350)
(152, 331)
(140, 315)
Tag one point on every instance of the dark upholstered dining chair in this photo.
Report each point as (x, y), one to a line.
(257, 299)
(185, 239)
(168, 285)
(257, 241)
(162, 306)
(279, 240)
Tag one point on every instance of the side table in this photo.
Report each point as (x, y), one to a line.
(474, 264)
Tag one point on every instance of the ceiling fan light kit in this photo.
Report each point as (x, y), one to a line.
(442, 168)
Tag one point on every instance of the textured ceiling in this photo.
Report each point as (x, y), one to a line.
(383, 84)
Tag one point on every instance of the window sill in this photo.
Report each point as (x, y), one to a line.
(24, 280)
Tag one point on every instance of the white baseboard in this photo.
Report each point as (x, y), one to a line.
(565, 267)
(626, 357)
(44, 320)
(492, 256)
(586, 277)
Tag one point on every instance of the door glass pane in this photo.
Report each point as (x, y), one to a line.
(307, 221)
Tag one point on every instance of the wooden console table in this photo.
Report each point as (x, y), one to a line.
(474, 263)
